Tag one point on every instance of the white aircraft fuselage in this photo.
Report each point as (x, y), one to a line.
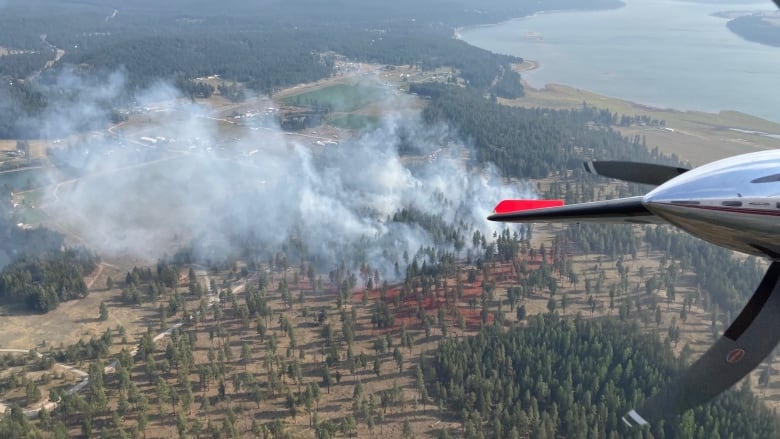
(734, 203)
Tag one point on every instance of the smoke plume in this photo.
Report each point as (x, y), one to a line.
(176, 175)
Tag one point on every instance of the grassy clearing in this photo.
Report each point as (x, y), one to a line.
(37, 147)
(7, 145)
(28, 209)
(355, 122)
(24, 179)
(230, 131)
(33, 197)
(340, 97)
(75, 319)
(31, 215)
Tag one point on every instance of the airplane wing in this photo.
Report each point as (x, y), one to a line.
(749, 339)
(620, 210)
(634, 172)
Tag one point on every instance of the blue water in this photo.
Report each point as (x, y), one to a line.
(665, 53)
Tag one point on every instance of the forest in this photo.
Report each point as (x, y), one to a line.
(17, 241)
(264, 45)
(36, 269)
(571, 378)
(533, 143)
(41, 283)
(271, 346)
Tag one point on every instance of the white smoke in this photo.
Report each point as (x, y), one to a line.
(195, 180)
(90, 97)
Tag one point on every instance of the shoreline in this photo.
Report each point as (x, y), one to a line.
(554, 87)
(697, 137)
(613, 76)
(528, 65)
(759, 27)
(457, 30)
(694, 135)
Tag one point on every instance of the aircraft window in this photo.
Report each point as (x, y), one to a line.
(732, 203)
(767, 179)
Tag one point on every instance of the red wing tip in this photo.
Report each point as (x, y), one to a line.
(506, 206)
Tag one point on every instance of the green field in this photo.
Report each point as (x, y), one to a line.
(355, 122)
(24, 179)
(341, 98)
(31, 215)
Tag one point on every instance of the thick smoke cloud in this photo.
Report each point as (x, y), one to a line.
(254, 191)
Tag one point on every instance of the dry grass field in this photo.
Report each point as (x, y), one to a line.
(37, 147)
(73, 320)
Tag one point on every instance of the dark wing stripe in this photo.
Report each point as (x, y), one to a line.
(738, 210)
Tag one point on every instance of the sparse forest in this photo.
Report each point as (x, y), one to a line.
(272, 343)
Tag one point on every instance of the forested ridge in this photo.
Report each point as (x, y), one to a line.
(68, 21)
(574, 379)
(264, 45)
(262, 60)
(532, 143)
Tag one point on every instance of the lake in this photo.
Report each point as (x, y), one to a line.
(664, 53)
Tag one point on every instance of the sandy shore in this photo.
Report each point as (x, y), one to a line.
(526, 66)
